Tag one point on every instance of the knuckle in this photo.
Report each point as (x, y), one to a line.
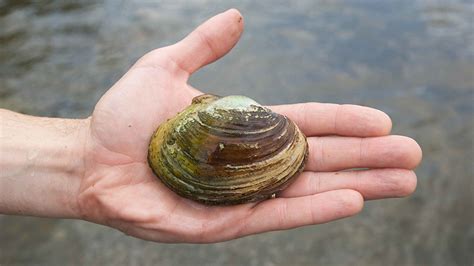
(317, 153)
(282, 212)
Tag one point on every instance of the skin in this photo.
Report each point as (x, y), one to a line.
(96, 169)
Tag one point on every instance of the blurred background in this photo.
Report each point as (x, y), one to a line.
(411, 59)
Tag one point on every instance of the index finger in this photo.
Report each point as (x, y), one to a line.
(316, 119)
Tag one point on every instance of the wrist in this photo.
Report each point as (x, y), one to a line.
(73, 168)
(42, 162)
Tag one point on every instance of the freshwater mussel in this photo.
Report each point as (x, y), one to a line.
(228, 150)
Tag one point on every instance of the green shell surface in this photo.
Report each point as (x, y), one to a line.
(228, 150)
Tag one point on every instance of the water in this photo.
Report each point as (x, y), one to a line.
(412, 59)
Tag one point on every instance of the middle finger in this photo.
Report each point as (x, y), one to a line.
(335, 153)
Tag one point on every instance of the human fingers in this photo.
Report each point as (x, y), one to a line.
(372, 184)
(286, 213)
(334, 119)
(333, 153)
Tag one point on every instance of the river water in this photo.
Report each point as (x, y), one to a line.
(412, 59)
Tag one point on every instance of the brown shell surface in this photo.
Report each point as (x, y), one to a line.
(229, 150)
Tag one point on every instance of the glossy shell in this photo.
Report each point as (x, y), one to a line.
(228, 150)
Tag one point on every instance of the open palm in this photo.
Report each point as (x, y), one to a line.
(119, 189)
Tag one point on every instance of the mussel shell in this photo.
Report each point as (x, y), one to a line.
(227, 150)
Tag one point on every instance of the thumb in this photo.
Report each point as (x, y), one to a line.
(207, 43)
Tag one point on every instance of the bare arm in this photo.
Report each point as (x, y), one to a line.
(41, 162)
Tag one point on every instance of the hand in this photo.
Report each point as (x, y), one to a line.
(119, 189)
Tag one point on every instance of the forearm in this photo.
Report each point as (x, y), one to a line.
(41, 164)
